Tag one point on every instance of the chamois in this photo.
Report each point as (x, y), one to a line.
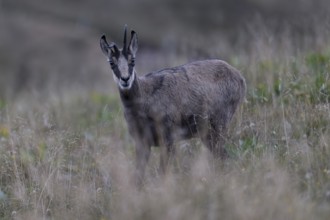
(197, 99)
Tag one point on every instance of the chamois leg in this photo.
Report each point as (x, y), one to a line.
(142, 157)
(215, 142)
(167, 145)
(166, 156)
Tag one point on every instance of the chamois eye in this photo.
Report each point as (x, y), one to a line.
(132, 62)
(112, 62)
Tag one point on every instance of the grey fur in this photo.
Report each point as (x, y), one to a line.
(197, 99)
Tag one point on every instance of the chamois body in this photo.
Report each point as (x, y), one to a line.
(182, 102)
(197, 99)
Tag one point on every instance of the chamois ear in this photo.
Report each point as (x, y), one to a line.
(109, 50)
(114, 50)
(133, 44)
(104, 45)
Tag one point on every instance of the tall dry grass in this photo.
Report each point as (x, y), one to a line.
(68, 154)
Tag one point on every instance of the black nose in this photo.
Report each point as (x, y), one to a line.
(125, 79)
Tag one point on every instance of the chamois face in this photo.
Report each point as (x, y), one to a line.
(122, 61)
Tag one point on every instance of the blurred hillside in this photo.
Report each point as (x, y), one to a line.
(48, 45)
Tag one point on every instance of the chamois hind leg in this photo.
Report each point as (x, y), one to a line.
(166, 157)
(215, 140)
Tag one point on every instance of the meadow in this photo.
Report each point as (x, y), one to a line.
(65, 152)
(68, 155)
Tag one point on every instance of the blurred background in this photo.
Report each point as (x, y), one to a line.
(47, 46)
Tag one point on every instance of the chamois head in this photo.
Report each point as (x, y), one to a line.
(122, 61)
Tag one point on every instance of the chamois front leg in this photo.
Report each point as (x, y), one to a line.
(142, 157)
(167, 147)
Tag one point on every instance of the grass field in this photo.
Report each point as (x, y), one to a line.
(65, 152)
(68, 155)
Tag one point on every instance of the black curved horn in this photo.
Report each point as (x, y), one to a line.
(125, 39)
